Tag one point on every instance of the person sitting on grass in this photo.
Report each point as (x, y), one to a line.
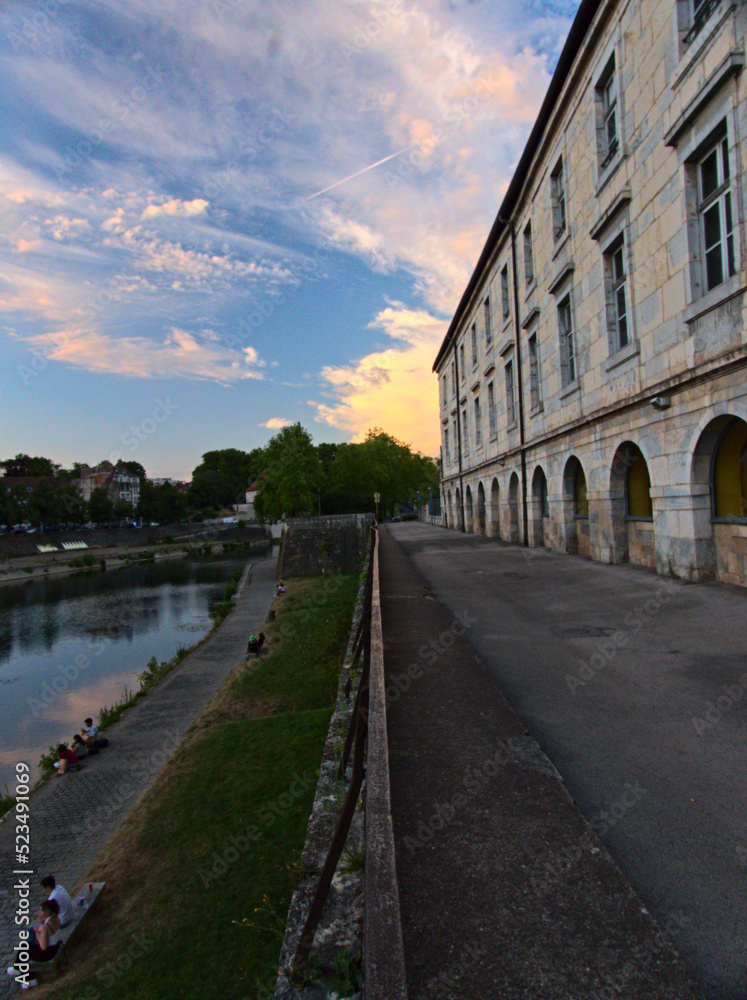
(44, 939)
(255, 643)
(281, 588)
(70, 757)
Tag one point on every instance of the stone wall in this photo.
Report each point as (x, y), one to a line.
(324, 544)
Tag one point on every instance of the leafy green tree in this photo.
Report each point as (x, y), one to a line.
(292, 474)
(100, 507)
(43, 506)
(133, 468)
(380, 464)
(24, 465)
(123, 510)
(71, 505)
(222, 477)
(161, 504)
(13, 502)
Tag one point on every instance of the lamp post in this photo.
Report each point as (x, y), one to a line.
(377, 497)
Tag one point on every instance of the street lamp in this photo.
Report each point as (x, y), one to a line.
(377, 497)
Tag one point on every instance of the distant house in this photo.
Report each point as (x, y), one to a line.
(246, 510)
(118, 485)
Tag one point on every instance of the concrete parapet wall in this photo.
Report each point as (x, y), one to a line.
(324, 544)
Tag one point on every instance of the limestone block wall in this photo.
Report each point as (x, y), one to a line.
(325, 544)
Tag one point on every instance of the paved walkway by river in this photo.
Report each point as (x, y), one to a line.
(72, 817)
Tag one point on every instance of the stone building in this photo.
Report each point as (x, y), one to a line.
(592, 381)
(118, 485)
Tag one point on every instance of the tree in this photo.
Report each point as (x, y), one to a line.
(43, 506)
(161, 504)
(123, 510)
(381, 464)
(292, 475)
(222, 477)
(131, 468)
(100, 507)
(24, 465)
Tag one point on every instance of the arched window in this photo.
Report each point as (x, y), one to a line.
(638, 488)
(580, 498)
(730, 472)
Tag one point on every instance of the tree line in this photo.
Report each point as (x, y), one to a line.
(294, 477)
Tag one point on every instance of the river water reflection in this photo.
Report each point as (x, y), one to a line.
(70, 646)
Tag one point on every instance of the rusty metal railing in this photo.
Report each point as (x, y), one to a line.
(366, 740)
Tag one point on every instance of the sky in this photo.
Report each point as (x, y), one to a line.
(221, 217)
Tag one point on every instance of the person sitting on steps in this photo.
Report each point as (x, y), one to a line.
(44, 940)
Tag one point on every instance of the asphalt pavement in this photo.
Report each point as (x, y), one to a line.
(628, 686)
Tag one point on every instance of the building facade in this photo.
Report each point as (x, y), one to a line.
(592, 381)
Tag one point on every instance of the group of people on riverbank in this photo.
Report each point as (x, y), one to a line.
(86, 742)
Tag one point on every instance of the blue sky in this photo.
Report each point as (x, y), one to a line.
(221, 216)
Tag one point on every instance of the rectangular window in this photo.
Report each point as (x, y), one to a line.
(702, 10)
(528, 254)
(714, 211)
(474, 345)
(478, 423)
(505, 304)
(453, 378)
(567, 344)
(607, 132)
(616, 280)
(465, 432)
(461, 358)
(488, 328)
(510, 406)
(534, 393)
(491, 410)
(446, 446)
(557, 181)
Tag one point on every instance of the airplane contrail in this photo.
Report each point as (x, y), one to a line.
(359, 172)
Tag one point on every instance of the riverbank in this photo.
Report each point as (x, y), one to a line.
(221, 827)
(52, 565)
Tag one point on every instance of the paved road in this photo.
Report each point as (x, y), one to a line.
(73, 817)
(635, 687)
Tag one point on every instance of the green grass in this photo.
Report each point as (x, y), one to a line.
(306, 632)
(205, 869)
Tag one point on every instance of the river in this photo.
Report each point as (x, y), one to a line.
(70, 646)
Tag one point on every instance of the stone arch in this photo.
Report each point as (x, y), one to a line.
(718, 479)
(633, 538)
(469, 514)
(495, 509)
(514, 532)
(539, 508)
(576, 508)
(458, 522)
(480, 526)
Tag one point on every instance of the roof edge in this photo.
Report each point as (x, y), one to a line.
(576, 35)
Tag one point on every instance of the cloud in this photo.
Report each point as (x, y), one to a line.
(276, 423)
(179, 355)
(176, 207)
(392, 388)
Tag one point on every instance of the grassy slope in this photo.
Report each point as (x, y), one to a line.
(200, 875)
